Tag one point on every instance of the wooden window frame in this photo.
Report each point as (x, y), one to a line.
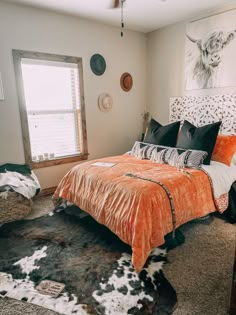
(81, 120)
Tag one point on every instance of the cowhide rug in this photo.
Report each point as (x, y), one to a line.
(92, 262)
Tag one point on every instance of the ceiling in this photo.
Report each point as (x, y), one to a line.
(139, 15)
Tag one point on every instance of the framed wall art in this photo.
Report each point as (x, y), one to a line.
(210, 52)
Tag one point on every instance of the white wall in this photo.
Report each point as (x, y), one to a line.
(37, 30)
(165, 68)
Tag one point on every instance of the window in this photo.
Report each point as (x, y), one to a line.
(50, 90)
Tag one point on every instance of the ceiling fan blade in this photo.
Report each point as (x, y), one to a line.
(116, 4)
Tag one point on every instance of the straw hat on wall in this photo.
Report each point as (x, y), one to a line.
(105, 102)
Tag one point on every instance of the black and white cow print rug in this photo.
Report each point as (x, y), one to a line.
(92, 263)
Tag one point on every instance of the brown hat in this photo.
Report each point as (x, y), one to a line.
(126, 81)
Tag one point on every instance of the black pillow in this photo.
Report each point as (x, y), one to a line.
(162, 135)
(201, 138)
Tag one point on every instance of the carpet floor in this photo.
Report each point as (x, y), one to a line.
(200, 270)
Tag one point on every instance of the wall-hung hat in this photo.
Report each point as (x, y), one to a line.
(105, 102)
(126, 81)
(98, 64)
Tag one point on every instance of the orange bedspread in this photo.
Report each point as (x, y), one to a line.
(136, 210)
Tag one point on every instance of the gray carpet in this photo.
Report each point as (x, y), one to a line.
(200, 270)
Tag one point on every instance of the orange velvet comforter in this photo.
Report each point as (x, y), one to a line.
(137, 210)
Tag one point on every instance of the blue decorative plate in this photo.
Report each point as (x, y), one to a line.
(98, 64)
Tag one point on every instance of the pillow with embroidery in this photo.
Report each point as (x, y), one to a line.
(173, 156)
(158, 156)
(138, 150)
(148, 151)
(185, 158)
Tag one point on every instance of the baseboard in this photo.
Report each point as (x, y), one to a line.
(47, 191)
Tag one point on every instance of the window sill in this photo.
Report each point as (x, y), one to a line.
(59, 161)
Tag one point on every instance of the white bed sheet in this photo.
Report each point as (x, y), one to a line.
(222, 177)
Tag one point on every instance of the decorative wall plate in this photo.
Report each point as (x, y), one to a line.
(126, 81)
(98, 64)
(105, 102)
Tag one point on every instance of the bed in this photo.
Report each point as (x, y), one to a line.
(147, 193)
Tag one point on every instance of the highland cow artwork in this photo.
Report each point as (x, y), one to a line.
(210, 52)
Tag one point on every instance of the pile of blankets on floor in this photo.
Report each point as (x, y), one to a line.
(18, 178)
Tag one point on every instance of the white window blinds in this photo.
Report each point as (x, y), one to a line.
(52, 100)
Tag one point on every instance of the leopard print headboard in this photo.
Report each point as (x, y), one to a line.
(203, 110)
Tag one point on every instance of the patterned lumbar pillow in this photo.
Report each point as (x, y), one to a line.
(153, 150)
(185, 158)
(148, 151)
(136, 148)
(173, 156)
(158, 156)
(139, 149)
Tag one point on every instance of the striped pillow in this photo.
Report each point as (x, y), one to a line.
(173, 156)
(185, 158)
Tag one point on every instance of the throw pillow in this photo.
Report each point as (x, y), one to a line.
(185, 158)
(162, 135)
(172, 156)
(147, 151)
(224, 149)
(199, 138)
